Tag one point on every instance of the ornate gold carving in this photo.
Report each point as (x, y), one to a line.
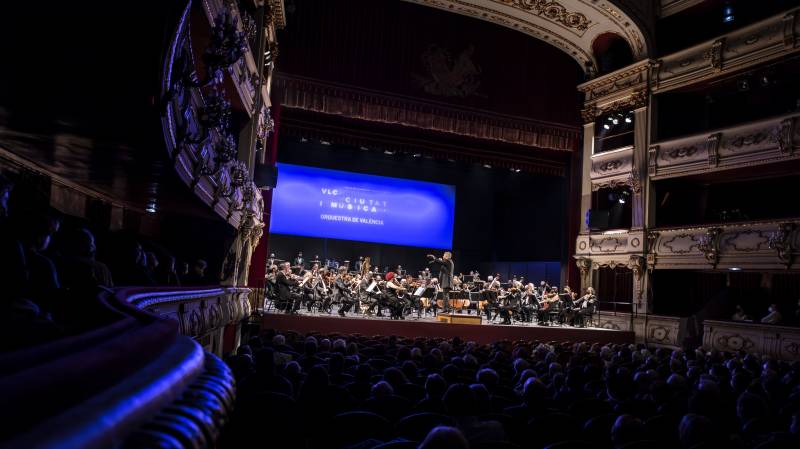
(714, 54)
(636, 264)
(784, 136)
(709, 245)
(652, 156)
(746, 140)
(683, 236)
(788, 29)
(610, 165)
(553, 11)
(780, 241)
(635, 182)
(597, 244)
(584, 265)
(589, 113)
(713, 149)
(680, 152)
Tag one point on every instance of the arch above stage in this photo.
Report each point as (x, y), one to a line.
(571, 26)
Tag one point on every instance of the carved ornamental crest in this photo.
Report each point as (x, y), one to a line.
(449, 75)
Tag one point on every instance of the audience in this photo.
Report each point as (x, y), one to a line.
(774, 316)
(520, 394)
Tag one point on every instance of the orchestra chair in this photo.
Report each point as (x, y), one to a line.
(416, 427)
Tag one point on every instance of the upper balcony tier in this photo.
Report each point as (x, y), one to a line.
(763, 142)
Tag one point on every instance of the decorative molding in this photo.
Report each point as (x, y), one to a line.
(769, 340)
(569, 26)
(764, 41)
(597, 246)
(670, 7)
(763, 142)
(362, 104)
(770, 245)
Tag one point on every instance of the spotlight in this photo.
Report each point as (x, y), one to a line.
(610, 118)
(151, 206)
(628, 119)
(621, 200)
(727, 13)
(615, 121)
(606, 126)
(743, 84)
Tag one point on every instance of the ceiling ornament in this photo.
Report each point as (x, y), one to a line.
(572, 28)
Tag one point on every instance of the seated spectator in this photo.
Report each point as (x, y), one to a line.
(627, 429)
(442, 437)
(197, 275)
(78, 268)
(460, 403)
(774, 316)
(165, 273)
(739, 315)
(129, 266)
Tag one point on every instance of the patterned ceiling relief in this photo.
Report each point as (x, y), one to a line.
(571, 26)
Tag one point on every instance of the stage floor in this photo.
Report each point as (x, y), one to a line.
(428, 326)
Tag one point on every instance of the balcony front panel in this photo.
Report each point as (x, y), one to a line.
(764, 142)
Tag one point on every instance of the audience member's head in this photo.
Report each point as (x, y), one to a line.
(627, 429)
(442, 437)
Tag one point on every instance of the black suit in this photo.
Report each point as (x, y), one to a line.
(285, 284)
(446, 269)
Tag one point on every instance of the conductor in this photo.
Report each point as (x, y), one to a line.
(446, 270)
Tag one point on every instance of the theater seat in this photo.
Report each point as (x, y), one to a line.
(415, 427)
(397, 445)
(349, 428)
(391, 407)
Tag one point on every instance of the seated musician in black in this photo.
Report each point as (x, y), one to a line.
(343, 292)
(567, 312)
(395, 293)
(491, 292)
(585, 306)
(528, 303)
(284, 281)
(547, 304)
(307, 289)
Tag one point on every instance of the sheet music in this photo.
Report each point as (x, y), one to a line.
(419, 291)
(372, 286)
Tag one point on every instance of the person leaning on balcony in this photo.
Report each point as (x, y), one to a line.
(773, 317)
(739, 315)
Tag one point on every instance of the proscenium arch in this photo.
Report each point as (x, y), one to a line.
(570, 25)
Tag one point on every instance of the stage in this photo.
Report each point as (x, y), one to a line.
(429, 327)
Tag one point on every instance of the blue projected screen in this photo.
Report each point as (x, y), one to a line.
(316, 202)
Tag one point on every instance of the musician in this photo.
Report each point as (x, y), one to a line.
(359, 263)
(285, 281)
(307, 290)
(567, 299)
(548, 303)
(343, 293)
(395, 296)
(323, 288)
(585, 306)
(400, 271)
(528, 303)
(271, 260)
(299, 261)
(446, 270)
(425, 274)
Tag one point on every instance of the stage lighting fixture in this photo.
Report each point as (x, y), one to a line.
(727, 13)
(151, 206)
(615, 121)
(606, 126)
(621, 200)
(628, 119)
(487, 166)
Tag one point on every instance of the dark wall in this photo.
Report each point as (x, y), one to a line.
(500, 215)
(381, 45)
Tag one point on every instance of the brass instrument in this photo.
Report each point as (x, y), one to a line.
(365, 266)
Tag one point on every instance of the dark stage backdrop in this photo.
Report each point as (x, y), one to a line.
(505, 222)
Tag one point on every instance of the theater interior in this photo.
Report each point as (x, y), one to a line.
(394, 224)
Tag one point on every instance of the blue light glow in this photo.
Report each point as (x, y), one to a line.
(316, 202)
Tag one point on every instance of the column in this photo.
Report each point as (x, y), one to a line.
(586, 180)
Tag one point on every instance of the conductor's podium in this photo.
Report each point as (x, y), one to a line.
(458, 318)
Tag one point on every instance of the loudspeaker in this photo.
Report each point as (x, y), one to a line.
(265, 176)
(598, 219)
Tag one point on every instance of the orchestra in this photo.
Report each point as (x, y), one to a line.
(398, 295)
